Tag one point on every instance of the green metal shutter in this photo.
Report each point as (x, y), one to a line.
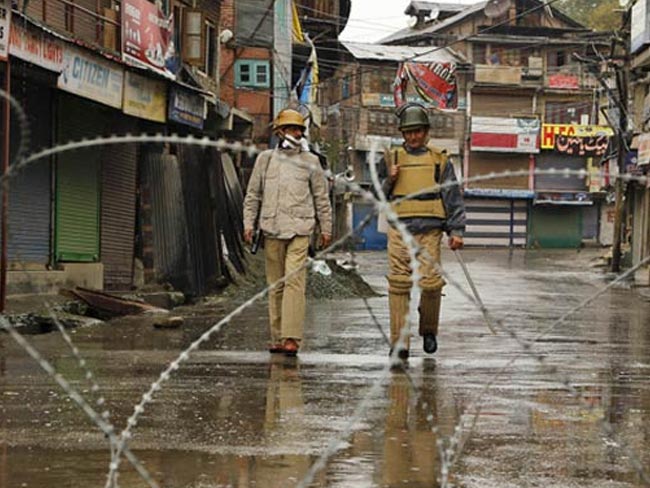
(77, 182)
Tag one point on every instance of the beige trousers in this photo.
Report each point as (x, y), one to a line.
(287, 299)
(399, 260)
(400, 281)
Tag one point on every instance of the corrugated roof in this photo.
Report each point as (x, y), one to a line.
(428, 54)
(411, 32)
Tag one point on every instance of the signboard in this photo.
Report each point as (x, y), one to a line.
(145, 98)
(91, 77)
(576, 140)
(565, 81)
(640, 30)
(434, 82)
(35, 46)
(643, 157)
(186, 107)
(5, 28)
(513, 135)
(147, 36)
(499, 74)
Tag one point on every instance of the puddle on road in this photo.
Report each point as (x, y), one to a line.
(234, 417)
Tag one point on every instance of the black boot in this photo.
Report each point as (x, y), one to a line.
(430, 343)
(401, 353)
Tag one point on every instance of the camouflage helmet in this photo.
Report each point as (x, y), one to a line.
(289, 117)
(412, 116)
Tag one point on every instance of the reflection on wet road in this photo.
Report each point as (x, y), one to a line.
(233, 416)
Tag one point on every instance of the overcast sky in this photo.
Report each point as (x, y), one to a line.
(371, 20)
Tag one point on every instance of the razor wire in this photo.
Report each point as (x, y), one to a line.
(380, 207)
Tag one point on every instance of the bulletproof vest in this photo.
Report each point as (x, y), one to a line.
(419, 172)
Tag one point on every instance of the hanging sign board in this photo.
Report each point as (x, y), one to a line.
(576, 140)
(145, 98)
(91, 77)
(497, 134)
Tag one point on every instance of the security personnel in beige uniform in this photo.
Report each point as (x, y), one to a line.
(289, 190)
(412, 168)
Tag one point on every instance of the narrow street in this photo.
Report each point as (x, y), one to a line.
(234, 416)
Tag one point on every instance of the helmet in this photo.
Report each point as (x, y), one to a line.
(289, 117)
(412, 115)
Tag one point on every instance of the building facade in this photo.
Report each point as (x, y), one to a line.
(86, 69)
(527, 94)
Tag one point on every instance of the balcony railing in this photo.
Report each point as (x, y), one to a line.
(91, 21)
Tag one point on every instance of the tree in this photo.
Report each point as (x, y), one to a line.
(597, 14)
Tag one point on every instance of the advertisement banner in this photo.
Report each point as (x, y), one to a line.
(35, 46)
(91, 77)
(576, 140)
(496, 134)
(565, 81)
(186, 107)
(147, 36)
(434, 82)
(5, 28)
(145, 98)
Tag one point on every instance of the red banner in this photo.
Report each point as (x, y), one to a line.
(147, 36)
(434, 82)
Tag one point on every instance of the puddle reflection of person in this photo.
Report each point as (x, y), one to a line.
(410, 456)
(284, 426)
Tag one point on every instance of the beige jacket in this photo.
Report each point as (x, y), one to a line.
(293, 197)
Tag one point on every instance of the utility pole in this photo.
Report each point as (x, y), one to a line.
(621, 72)
(619, 213)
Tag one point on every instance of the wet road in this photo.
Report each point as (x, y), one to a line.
(573, 412)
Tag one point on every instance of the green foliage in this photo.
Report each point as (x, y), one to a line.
(602, 15)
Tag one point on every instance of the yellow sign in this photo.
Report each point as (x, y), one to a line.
(550, 131)
(145, 98)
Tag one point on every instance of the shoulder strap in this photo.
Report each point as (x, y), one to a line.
(266, 163)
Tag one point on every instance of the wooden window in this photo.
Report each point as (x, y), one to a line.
(252, 73)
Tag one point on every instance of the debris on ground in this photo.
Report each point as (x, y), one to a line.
(106, 306)
(329, 280)
(168, 322)
(42, 323)
(341, 282)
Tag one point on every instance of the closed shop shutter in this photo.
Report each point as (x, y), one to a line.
(77, 182)
(483, 163)
(501, 105)
(30, 190)
(119, 165)
(550, 160)
(498, 223)
(555, 226)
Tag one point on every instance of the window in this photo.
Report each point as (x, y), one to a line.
(345, 88)
(479, 54)
(210, 67)
(252, 73)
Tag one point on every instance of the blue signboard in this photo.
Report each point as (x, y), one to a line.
(186, 107)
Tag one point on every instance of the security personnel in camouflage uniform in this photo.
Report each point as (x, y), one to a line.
(288, 194)
(416, 167)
